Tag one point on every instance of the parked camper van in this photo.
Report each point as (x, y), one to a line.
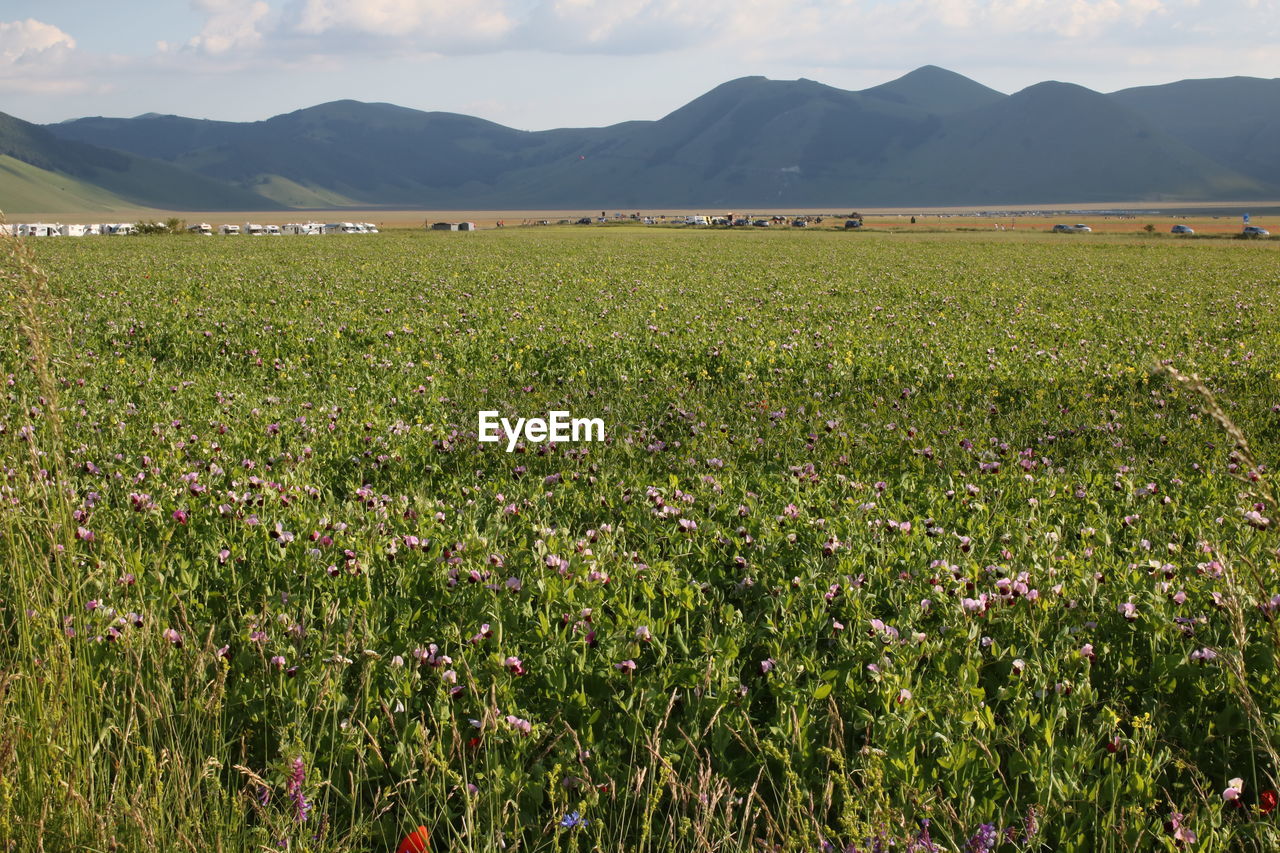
(230, 229)
(201, 228)
(271, 230)
(253, 229)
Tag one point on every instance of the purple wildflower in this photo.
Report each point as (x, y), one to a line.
(297, 775)
(984, 840)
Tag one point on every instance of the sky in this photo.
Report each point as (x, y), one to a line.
(538, 64)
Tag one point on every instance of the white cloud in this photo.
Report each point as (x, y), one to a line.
(856, 30)
(32, 42)
(230, 25)
(36, 59)
(846, 33)
(443, 26)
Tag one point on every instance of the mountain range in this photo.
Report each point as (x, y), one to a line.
(931, 137)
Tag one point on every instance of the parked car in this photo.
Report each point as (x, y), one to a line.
(1182, 229)
(1255, 231)
(853, 223)
(761, 223)
(1078, 228)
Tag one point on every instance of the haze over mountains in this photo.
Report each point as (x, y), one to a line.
(932, 137)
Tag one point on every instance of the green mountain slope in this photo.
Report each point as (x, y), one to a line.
(1234, 120)
(747, 142)
(137, 180)
(1055, 142)
(29, 189)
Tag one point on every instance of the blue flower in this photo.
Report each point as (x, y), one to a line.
(573, 819)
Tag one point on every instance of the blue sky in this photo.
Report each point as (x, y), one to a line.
(536, 64)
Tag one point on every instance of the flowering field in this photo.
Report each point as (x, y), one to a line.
(891, 541)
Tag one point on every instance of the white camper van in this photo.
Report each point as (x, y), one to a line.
(271, 230)
(201, 228)
(253, 229)
(230, 229)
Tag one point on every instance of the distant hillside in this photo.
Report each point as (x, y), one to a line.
(1054, 141)
(1234, 120)
(28, 189)
(747, 142)
(929, 137)
(365, 154)
(138, 181)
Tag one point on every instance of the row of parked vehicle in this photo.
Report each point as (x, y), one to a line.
(724, 221)
(255, 230)
(59, 229)
(1184, 230)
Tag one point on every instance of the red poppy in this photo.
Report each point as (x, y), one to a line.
(415, 842)
(1267, 801)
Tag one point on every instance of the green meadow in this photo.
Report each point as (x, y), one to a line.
(962, 542)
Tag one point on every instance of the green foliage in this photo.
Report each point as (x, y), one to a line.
(869, 522)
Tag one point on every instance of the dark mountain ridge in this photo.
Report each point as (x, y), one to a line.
(929, 137)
